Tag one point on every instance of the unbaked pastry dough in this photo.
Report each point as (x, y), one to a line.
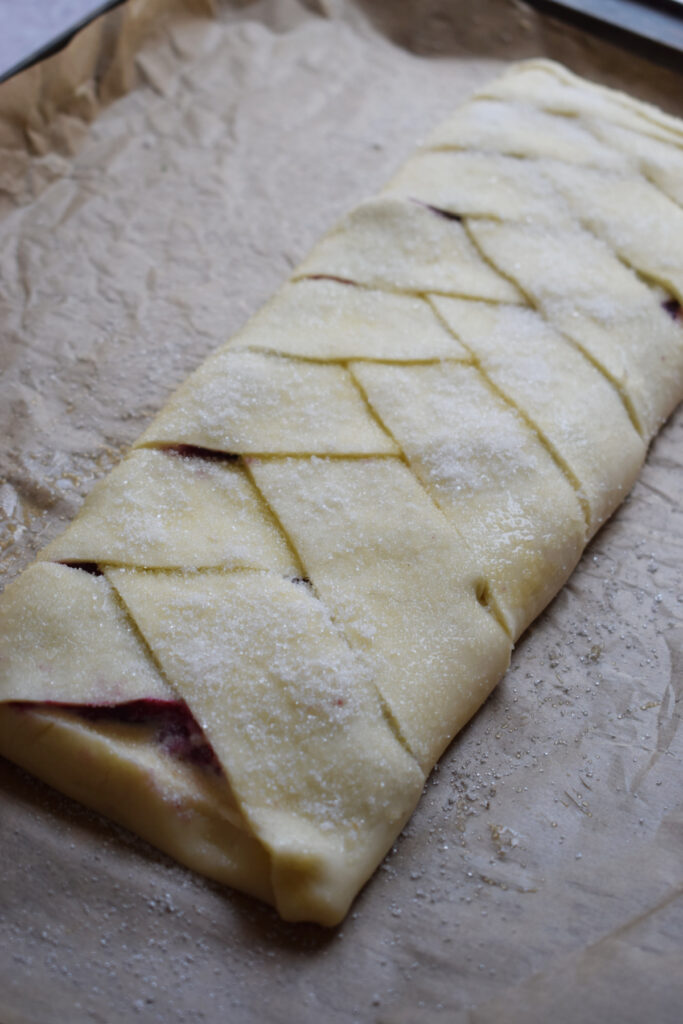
(268, 622)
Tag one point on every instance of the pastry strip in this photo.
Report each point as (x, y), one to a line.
(401, 581)
(175, 508)
(586, 292)
(330, 320)
(269, 621)
(294, 719)
(253, 403)
(518, 515)
(589, 434)
(397, 244)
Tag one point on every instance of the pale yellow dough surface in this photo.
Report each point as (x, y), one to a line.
(517, 514)
(65, 637)
(294, 718)
(253, 403)
(159, 509)
(524, 131)
(328, 320)
(479, 184)
(323, 548)
(589, 434)
(399, 245)
(387, 564)
(119, 771)
(584, 290)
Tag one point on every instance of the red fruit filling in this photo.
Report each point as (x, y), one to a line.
(330, 277)
(447, 214)
(673, 308)
(90, 567)
(175, 729)
(192, 451)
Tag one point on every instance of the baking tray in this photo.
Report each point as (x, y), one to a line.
(161, 176)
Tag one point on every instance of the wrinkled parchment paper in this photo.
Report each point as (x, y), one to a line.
(158, 180)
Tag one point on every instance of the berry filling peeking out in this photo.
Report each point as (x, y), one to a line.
(674, 309)
(174, 727)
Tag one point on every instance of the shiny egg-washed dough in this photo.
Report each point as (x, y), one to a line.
(327, 542)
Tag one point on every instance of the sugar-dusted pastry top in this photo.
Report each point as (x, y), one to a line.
(268, 622)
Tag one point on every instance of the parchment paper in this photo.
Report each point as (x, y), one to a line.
(158, 179)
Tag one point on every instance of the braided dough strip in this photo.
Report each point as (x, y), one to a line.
(268, 622)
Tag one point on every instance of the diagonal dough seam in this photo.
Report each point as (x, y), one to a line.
(534, 158)
(212, 570)
(649, 113)
(230, 793)
(638, 173)
(623, 397)
(590, 124)
(387, 713)
(383, 286)
(651, 280)
(388, 361)
(380, 287)
(143, 640)
(561, 463)
(284, 454)
(484, 590)
(169, 570)
(242, 461)
(373, 412)
(648, 278)
(644, 173)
